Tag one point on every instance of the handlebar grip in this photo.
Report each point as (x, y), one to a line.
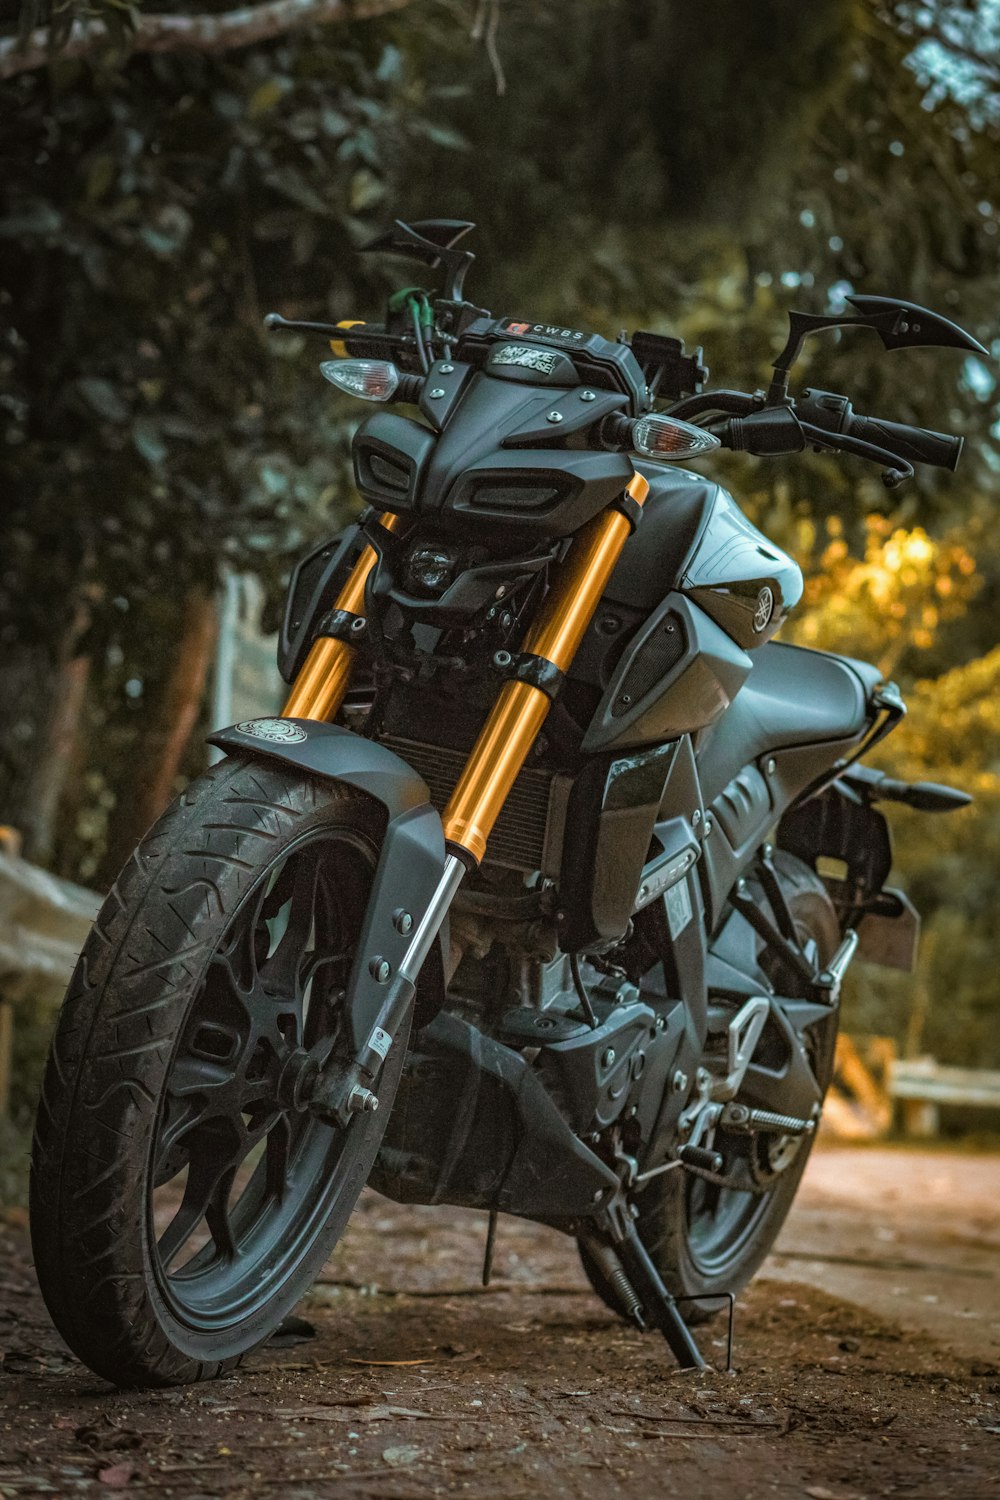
(916, 445)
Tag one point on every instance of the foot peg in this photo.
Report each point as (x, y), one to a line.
(699, 1156)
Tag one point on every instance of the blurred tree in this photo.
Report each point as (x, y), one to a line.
(694, 169)
(150, 437)
(888, 606)
(154, 208)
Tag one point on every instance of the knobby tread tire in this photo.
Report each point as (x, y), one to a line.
(124, 1009)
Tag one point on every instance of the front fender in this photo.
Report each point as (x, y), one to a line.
(413, 854)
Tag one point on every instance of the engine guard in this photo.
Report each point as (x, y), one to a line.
(410, 865)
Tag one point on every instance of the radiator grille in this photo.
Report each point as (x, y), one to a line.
(518, 837)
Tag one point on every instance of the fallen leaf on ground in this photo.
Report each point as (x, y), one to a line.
(117, 1476)
(106, 1438)
(292, 1331)
(377, 1412)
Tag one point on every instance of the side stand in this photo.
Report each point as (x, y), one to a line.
(637, 1283)
(659, 1307)
(729, 1298)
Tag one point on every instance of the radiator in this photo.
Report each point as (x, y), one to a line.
(528, 833)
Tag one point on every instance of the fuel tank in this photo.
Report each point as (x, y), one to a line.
(694, 538)
(697, 588)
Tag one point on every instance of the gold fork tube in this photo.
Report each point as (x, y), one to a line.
(319, 688)
(513, 723)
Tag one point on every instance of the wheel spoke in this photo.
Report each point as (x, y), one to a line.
(240, 956)
(180, 1121)
(217, 1213)
(199, 1078)
(277, 1156)
(255, 1168)
(280, 970)
(203, 1178)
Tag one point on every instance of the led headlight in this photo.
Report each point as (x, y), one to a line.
(429, 568)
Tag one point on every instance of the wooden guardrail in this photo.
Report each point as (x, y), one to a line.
(43, 924)
(921, 1086)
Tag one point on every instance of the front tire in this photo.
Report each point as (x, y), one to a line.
(182, 1197)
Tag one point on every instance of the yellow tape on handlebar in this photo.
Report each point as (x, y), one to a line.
(337, 345)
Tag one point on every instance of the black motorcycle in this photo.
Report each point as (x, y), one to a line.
(539, 895)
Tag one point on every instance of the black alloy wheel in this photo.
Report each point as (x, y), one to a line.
(242, 1172)
(183, 1195)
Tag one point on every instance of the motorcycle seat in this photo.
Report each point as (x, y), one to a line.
(793, 696)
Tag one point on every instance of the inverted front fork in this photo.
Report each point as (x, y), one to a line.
(319, 689)
(513, 724)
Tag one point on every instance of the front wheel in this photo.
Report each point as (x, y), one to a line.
(182, 1199)
(706, 1239)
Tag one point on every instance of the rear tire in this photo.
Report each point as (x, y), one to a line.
(673, 1208)
(170, 1078)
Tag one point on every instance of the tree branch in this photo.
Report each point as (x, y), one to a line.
(204, 33)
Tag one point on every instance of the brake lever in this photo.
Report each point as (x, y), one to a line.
(897, 470)
(774, 431)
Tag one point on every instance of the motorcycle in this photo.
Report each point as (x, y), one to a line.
(538, 896)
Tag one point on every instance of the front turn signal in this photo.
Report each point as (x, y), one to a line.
(670, 440)
(371, 379)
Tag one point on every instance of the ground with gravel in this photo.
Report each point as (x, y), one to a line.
(851, 1380)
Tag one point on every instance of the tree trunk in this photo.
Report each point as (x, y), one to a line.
(172, 720)
(46, 781)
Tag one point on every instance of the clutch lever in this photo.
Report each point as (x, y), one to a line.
(274, 321)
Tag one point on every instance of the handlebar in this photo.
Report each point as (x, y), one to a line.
(918, 445)
(914, 445)
(826, 420)
(361, 340)
(819, 418)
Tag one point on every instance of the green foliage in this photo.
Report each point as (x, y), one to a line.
(692, 169)
(152, 434)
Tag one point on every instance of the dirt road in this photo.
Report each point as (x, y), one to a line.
(850, 1382)
(913, 1235)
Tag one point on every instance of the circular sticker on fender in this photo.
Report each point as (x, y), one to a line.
(763, 611)
(275, 731)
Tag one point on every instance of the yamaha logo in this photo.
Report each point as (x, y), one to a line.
(764, 610)
(275, 731)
